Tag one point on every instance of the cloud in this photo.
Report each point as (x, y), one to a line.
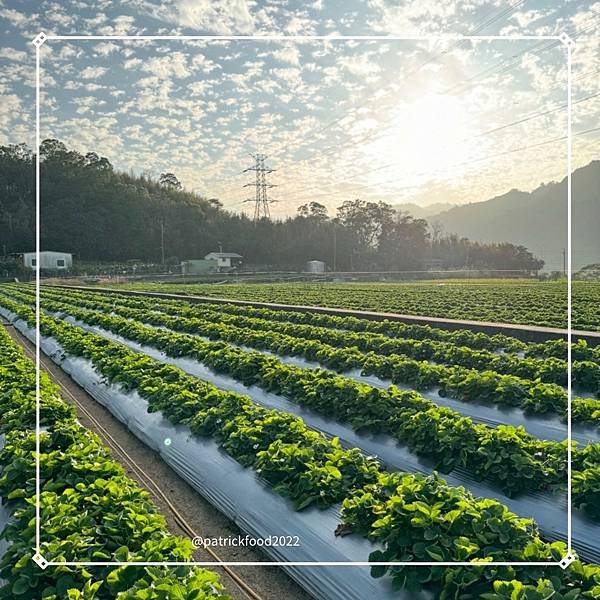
(524, 18)
(12, 54)
(360, 66)
(175, 65)
(199, 88)
(106, 48)
(204, 64)
(218, 16)
(232, 13)
(14, 16)
(122, 25)
(67, 51)
(291, 75)
(93, 72)
(55, 13)
(541, 77)
(93, 22)
(288, 54)
(84, 133)
(300, 25)
(286, 97)
(413, 17)
(9, 105)
(86, 104)
(132, 63)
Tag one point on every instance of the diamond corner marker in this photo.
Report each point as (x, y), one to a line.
(39, 39)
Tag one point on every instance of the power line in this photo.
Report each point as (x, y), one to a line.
(538, 48)
(481, 159)
(478, 135)
(335, 148)
(504, 12)
(484, 133)
(536, 115)
(489, 70)
(488, 132)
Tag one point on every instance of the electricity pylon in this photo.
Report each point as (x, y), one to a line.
(261, 199)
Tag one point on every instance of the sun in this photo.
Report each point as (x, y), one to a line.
(427, 140)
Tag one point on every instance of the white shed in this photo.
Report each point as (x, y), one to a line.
(315, 266)
(52, 261)
(225, 260)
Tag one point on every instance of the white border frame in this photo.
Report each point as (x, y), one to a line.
(38, 42)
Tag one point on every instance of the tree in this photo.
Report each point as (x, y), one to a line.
(437, 230)
(313, 210)
(100, 163)
(101, 214)
(51, 149)
(169, 180)
(403, 243)
(366, 221)
(17, 198)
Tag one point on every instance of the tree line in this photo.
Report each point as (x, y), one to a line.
(99, 214)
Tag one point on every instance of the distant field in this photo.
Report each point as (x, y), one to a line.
(525, 302)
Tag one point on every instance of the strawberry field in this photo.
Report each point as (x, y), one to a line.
(90, 509)
(434, 445)
(499, 301)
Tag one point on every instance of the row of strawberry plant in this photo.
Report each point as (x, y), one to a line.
(586, 375)
(394, 329)
(530, 303)
(422, 519)
(367, 410)
(460, 337)
(89, 509)
(585, 482)
(458, 382)
(581, 351)
(243, 428)
(310, 469)
(506, 456)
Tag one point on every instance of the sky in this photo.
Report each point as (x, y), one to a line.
(395, 120)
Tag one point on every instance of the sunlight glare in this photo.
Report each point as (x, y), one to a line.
(425, 141)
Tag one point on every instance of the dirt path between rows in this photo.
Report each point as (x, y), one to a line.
(270, 583)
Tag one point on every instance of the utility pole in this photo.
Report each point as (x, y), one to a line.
(162, 241)
(564, 253)
(261, 199)
(334, 248)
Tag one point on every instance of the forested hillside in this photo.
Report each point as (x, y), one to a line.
(99, 214)
(537, 219)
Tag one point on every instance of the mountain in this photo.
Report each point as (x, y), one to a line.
(537, 219)
(423, 212)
